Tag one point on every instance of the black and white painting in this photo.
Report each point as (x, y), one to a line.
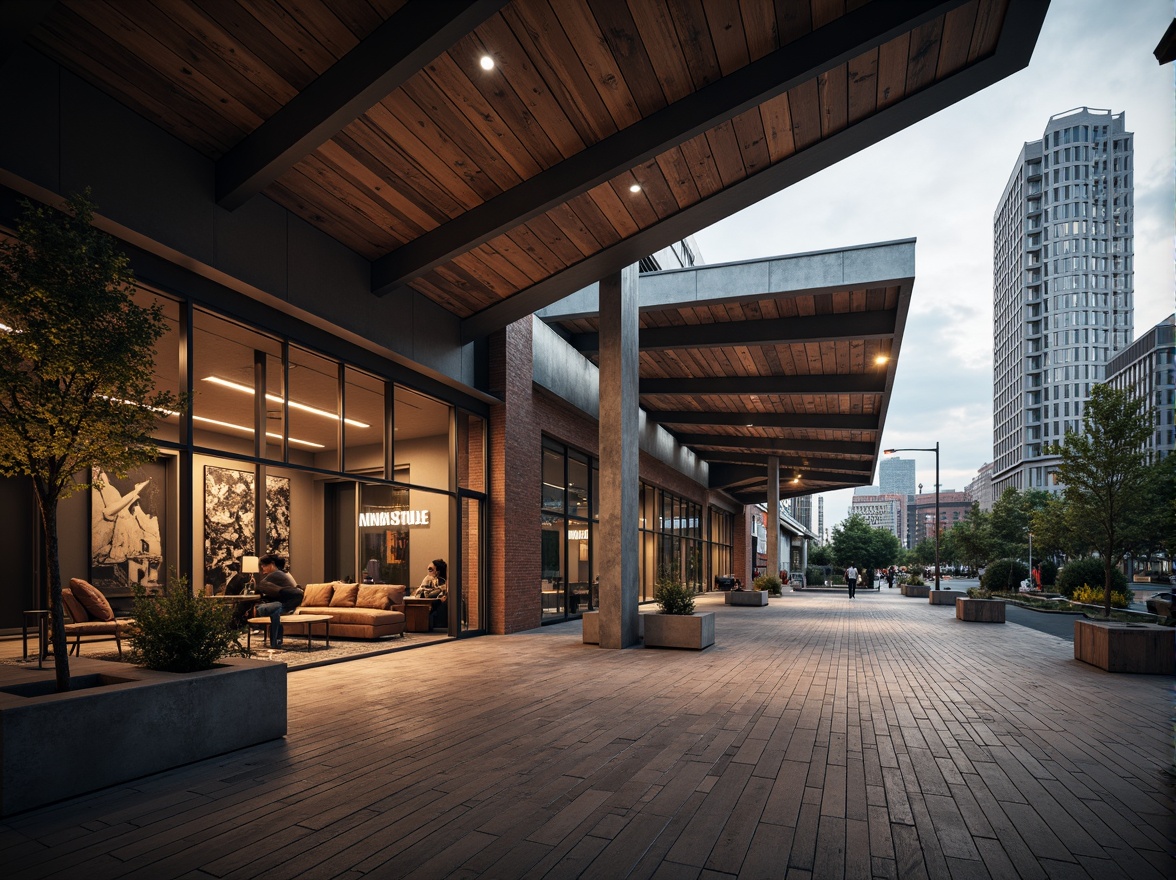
(127, 518)
(228, 524)
(277, 516)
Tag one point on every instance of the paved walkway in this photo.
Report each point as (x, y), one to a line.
(819, 738)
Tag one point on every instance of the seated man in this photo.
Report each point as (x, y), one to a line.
(281, 592)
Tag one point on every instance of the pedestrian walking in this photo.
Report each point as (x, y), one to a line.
(851, 578)
(890, 578)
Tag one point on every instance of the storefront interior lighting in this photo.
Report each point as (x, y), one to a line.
(244, 430)
(274, 398)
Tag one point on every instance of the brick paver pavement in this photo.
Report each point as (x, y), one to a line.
(819, 738)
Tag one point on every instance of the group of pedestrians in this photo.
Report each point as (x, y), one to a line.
(851, 579)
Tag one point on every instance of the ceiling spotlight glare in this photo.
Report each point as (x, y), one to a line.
(635, 188)
(881, 359)
(487, 62)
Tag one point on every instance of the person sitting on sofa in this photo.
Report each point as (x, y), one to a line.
(281, 592)
(435, 586)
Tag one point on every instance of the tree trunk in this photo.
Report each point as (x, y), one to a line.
(1107, 568)
(57, 612)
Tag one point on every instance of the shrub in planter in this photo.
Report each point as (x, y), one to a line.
(1088, 570)
(179, 632)
(978, 593)
(673, 596)
(1088, 595)
(1004, 575)
(814, 576)
(1049, 572)
(771, 583)
(915, 580)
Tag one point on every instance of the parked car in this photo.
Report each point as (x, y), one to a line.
(1160, 604)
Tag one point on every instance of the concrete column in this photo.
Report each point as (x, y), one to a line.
(617, 534)
(773, 548)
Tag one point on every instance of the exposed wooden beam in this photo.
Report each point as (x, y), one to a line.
(415, 35)
(1017, 38)
(17, 19)
(821, 383)
(771, 444)
(827, 421)
(844, 38)
(776, 331)
(720, 475)
(790, 466)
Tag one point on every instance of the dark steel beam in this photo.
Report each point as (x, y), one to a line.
(820, 383)
(777, 331)
(17, 20)
(824, 421)
(799, 61)
(719, 475)
(771, 445)
(415, 35)
(1018, 36)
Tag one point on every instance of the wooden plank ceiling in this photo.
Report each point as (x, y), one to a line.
(801, 375)
(476, 186)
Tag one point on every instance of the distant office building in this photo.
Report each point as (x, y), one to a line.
(1063, 286)
(801, 510)
(897, 476)
(881, 511)
(953, 507)
(980, 489)
(1147, 369)
(820, 519)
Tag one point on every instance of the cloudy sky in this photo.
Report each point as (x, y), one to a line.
(939, 181)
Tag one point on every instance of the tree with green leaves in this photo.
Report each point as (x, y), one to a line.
(1106, 476)
(971, 537)
(1010, 519)
(855, 540)
(77, 357)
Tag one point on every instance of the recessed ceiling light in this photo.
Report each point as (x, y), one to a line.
(634, 187)
(275, 398)
(881, 359)
(487, 62)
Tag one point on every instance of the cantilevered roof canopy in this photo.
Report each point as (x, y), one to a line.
(791, 356)
(604, 131)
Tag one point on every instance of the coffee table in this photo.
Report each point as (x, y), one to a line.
(290, 620)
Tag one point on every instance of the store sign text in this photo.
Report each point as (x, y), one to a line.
(390, 519)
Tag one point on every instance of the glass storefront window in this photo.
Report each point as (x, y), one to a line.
(421, 439)
(167, 361)
(314, 410)
(577, 485)
(363, 423)
(551, 589)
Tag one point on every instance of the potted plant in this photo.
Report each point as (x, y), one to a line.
(979, 607)
(179, 632)
(677, 624)
(765, 585)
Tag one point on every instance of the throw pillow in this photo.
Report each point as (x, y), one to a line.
(77, 614)
(317, 595)
(344, 596)
(92, 599)
(372, 596)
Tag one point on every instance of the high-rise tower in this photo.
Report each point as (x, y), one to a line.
(896, 476)
(1063, 286)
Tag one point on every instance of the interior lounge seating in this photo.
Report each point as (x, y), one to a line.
(90, 616)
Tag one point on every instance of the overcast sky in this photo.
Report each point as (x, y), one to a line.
(939, 181)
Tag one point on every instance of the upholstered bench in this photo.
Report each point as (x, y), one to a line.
(358, 611)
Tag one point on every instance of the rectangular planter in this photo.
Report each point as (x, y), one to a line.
(980, 610)
(745, 597)
(591, 626)
(913, 592)
(130, 722)
(691, 631)
(1144, 648)
(945, 597)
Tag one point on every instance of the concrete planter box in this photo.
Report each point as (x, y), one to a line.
(913, 592)
(1145, 648)
(591, 625)
(692, 631)
(745, 597)
(945, 597)
(980, 610)
(125, 722)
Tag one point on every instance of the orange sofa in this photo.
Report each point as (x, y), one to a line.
(358, 611)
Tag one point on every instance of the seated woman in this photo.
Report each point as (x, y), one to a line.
(434, 586)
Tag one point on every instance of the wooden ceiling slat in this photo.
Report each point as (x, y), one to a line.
(308, 201)
(563, 248)
(589, 46)
(594, 219)
(924, 54)
(517, 255)
(989, 20)
(958, 26)
(466, 286)
(863, 86)
(677, 175)
(349, 167)
(666, 52)
(360, 18)
(502, 267)
(834, 96)
(636, 203)
(727, 28)
(777, 121)
(317, 20)
(292, 34)
(556, 59)
(793, 20)
(517, 140)
(892, 70)
(804, 105)
(753, 147)
(614, 209)
(656, 190)
(250, 33)
(369, 212)
(475, 265)
(725, 150)
(825, 11)
(629, 54)
(533, 243)
(395, 191)
(436, 287)
(574, 228)
(702, 167)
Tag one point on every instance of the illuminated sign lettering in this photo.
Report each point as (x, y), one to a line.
(577, 534)
(393, 518)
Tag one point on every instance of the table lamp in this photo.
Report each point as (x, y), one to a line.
(250, 567)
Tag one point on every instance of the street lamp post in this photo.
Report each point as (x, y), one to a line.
(934, 449)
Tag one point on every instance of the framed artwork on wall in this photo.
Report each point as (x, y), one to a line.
(228, 523)
(277, 516)
(128, 517)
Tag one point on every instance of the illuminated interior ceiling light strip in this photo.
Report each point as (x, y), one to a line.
(274, 398)
(244, 430)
